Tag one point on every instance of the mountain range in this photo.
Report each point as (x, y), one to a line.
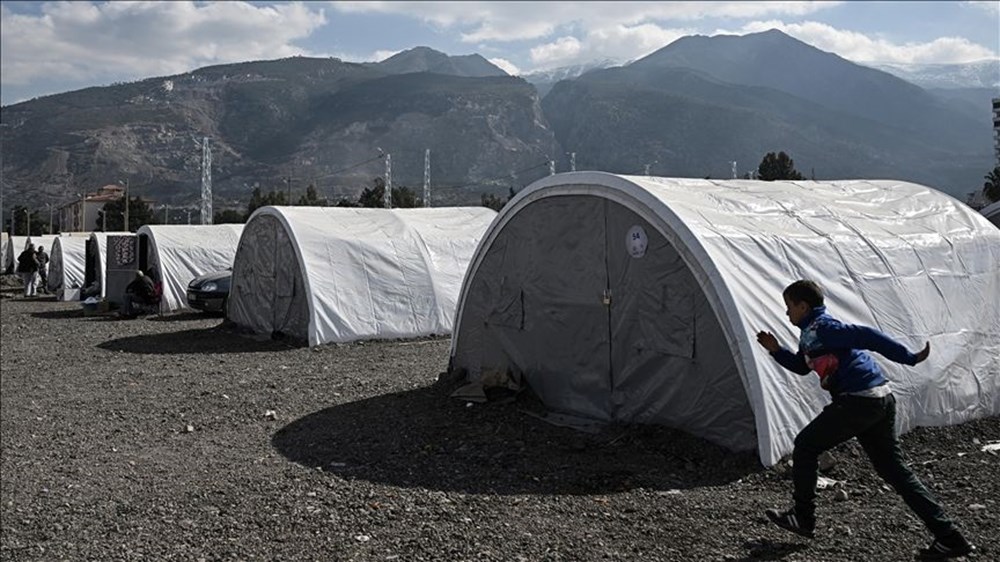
(688, 109)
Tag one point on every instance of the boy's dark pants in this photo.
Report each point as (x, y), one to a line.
(873, 422)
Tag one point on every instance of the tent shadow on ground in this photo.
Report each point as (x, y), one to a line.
(184, 316)
(422, 438)
(199, 340)
(59, 314)
(764, 549)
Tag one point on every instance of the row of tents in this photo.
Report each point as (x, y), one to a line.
(623, 298)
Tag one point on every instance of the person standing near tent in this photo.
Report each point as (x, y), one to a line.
(863, 406)
(27, 268)
(43, 268)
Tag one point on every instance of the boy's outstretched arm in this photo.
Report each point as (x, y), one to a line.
(794, 362)
(852, 336)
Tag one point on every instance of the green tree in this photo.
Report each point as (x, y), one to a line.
(493, 201)
(259, 199)
(991, 187)
(405, 198)
(372, 196)
(311, 198)
(777, 167)
(229, 216)
(139, 213)
(27, 222)
(345, 202)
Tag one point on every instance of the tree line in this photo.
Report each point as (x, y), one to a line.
(773, 167)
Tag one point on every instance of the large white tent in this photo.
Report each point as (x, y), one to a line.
(329, 274)
(637, 299)
(95, 260)
(14, 246)
(67, 267)
(179, 253)
(992, 213)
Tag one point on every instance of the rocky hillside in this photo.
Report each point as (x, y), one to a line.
(688, 109)
(701, 102)
(309, 119)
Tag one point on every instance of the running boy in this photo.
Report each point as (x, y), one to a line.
(863, 407)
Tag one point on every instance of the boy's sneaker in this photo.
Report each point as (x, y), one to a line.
(791, 521)
(950, 546)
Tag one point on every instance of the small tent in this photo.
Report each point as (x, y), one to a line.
(637, 299)
(12, 245)
(330, 274)
(66, 267)
(176, 254)
(992, 213)
(95, 261)
(43, 241)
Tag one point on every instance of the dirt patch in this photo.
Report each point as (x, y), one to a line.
(176, 438)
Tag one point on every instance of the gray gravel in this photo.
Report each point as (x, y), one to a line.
(173, 438)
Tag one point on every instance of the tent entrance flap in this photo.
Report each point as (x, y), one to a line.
(268, 294)
(602, 318)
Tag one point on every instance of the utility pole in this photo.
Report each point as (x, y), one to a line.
(166, 218)
(27, 222)
(206, 182)
(189, 216)
(552, 167)
(288, 188)
(427, 177)
(734, 169)
(572, 161)
(51, 212)
(126, 206)
(387, 197)
(104, 220)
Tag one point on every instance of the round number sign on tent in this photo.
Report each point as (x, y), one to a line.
(638, 299)
(330, 274)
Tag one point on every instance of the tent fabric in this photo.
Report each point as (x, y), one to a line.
(992, 213)
(330, 274)
(638, 299)
(179, 253)
(14, 246)
(96, 258)
(67, 265)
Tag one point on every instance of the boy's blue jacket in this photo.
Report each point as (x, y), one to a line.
(823, 334)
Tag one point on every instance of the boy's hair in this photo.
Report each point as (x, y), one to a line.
(805, 291)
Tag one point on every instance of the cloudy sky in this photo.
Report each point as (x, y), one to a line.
(51, 47)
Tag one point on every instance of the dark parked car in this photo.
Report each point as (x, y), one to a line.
(210, 291)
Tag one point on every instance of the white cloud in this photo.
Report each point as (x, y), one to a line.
(556, 52)
(618, 42)
(517, 21)
(859, 47)
(84, 41)
(381, 55)
(991, 7)
(506, 66)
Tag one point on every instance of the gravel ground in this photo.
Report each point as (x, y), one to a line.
(173, 438)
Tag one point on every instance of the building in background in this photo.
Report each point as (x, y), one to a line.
(81, 214)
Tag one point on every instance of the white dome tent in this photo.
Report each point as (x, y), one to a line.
(638, 299)
(67, 267)
(329, 274)
(179, 253)
(13, 248)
